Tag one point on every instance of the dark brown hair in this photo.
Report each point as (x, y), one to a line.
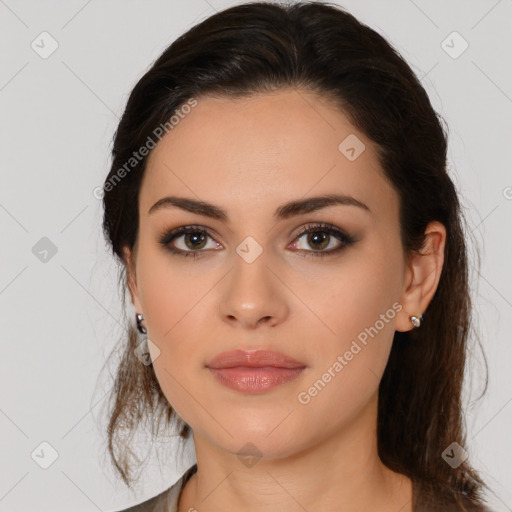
(261, 47)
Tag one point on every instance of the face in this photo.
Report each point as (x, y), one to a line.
(330, 298)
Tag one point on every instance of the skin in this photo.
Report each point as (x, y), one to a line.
(249, 156)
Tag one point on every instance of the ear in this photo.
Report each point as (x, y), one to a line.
(129, 258)
(422, 276)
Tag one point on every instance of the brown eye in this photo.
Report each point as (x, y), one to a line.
(318, 239)
(187, 241)
(324, 236)
(196, 239)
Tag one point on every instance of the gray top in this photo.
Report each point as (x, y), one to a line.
(166, 501)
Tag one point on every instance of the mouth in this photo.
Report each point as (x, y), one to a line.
(254, 380)
(254, 372)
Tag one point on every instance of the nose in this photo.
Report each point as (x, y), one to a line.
(253, 295)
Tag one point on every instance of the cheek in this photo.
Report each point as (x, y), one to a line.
(177, 325)
(357, 308)
(348, 369)
(170, 292)
(354, 296)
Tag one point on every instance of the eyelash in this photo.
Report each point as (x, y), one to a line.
(322, 227)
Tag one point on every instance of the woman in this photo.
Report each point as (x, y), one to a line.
(293, 247)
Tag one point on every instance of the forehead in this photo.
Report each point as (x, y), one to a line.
(263, 150)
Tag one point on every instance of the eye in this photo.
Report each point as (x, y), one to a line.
(320, 236)
(193, 240)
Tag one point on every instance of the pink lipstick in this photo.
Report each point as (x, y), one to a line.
(254, 372)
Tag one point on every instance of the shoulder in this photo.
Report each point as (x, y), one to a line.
(167, 500)
(149, 505)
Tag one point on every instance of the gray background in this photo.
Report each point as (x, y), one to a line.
(61, 317)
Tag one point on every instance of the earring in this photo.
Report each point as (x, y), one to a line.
(416, 320)
(140, 327)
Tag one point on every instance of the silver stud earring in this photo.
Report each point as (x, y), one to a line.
(140, 327)
(416, 320)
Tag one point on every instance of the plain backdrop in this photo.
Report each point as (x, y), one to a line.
(66, 71)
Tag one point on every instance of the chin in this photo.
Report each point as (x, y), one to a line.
(258, 440)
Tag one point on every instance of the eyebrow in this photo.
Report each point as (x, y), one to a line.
(284, 211)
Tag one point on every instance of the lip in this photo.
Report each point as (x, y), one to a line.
(255, 371)
(253, 359)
